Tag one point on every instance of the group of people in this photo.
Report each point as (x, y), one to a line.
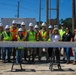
(51, 34)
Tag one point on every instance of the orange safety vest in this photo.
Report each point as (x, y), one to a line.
(38, 35)
(24, 33)
(14, 33)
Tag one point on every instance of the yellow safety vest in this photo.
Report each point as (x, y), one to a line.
(31, 36)
(43, 35)
(22, 39)
(6, 37)
(61, 32)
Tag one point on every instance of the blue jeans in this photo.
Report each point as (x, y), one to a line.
(74, 55)
(4, 53)
(67, 50)
(19, 55)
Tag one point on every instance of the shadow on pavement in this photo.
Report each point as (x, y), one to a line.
(23, 70)
(64, 70)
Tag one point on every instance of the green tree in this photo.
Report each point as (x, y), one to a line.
(67, 22)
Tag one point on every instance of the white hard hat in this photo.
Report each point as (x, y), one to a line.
(13, 22)
(20, 30)
(36, 26)
(1, 24)
(30, 24)
(55, 26)
(7, 27)
(50, 26)
(23, 23)
(43, 24)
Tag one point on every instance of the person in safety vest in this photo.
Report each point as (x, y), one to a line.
(44, 37)
(23, 26)
(31, 36)
(62, 31)
(36, 27)
(50, 28)
(19, 51)
(14, 31)
(44, 33)
(6, 36)
(1, 31)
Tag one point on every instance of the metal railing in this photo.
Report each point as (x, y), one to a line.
(36, 44)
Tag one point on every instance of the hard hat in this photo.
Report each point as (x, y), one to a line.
(20, 30)
(50, 26)
(36, 26)
(43, 24)
(23, 23)
(1, 24)
(7, 27)
(13, 22)
(55, 26)
(30, 24)
(55, 29)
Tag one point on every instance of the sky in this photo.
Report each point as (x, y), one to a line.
(30, 9)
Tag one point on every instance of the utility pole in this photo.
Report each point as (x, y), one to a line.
(50, 9)
(39, 12)
(47, 10)
(73, 15)
(18, 10)
(57, 12)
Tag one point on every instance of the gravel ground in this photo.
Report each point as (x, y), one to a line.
(36, 69)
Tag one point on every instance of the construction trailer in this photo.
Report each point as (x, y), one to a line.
(8, 21)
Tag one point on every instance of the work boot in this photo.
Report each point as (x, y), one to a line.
(74, 62)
